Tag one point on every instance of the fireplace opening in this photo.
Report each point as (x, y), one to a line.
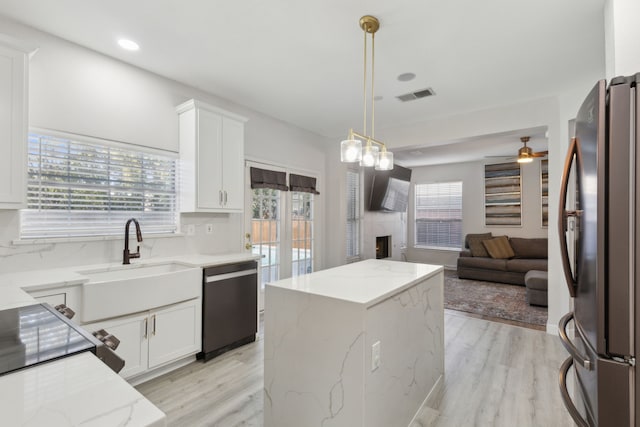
(382, 247)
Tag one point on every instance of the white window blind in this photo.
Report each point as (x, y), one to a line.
(83, 187)
(438, 215)
(353, 214)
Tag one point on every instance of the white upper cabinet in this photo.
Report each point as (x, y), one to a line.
(14, 81)
(211, 158)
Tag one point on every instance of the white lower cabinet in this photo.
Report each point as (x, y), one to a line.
(155, 337)
(174, 331)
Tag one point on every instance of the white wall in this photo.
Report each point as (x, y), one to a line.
(472, 176)
(77, 90)
(622, 33)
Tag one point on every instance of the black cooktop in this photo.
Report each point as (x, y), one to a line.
(36, 334)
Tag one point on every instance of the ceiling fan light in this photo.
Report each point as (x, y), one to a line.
(525, 159)
(525, 155)
(385, 161)
(351, 151)
(369, 155)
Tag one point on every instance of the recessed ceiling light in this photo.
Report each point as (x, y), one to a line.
(405, 77)
(128, 44)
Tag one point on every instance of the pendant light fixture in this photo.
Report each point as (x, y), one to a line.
(373, 153)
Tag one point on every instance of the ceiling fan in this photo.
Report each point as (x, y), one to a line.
(525, 154)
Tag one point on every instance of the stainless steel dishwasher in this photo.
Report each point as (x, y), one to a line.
(229, 307)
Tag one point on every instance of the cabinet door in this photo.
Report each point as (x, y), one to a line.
(13, 127)
(175, 332)
(209, 176)
(132, 331)
(233, 163)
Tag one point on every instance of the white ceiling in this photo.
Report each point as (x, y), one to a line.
(301, 61)
(494, 148)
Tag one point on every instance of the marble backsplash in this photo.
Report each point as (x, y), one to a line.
(20, 255)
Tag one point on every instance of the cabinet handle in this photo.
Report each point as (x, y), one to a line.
(154, 325)
(225, 197)
(146, 328)
(220, 197)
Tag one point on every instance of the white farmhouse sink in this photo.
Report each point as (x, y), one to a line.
(133, 288)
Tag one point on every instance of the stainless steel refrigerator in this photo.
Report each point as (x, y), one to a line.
(604, 158)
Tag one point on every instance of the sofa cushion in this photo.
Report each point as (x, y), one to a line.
(483, 263)
(537, 280)
(480, 235)
(476, 247)
(529, 248)
(524, 265)
(499, 247)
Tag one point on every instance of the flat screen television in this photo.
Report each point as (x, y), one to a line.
(388, 190)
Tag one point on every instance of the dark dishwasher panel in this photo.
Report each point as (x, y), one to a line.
(229, 307)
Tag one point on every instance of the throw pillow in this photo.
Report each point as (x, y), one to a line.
(481, 236)
(476, 247)
(499, 247)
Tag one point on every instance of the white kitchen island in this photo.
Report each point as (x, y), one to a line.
(321, 334)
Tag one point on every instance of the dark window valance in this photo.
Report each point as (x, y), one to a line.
(305, 184)
(263, 178)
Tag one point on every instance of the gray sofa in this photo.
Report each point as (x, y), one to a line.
(529, 254)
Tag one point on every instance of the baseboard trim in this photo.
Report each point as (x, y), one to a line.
(149, 375)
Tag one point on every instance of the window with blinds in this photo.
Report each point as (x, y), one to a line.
(84, 187)
(438, 215)
(353, 215)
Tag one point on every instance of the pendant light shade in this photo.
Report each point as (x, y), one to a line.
(351, 150)
(385, 161)
(369, 155)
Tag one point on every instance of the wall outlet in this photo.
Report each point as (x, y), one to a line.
(209, 228)
(375, 356)
(191, 230)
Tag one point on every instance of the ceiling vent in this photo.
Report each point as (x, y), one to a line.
(416, 95)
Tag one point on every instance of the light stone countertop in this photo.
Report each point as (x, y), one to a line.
(78, 390)
(366, 282)
(34, 280)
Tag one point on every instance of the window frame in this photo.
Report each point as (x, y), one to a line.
(357, 217)
(155, 188)
(416, 220)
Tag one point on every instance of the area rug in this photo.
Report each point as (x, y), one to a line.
(490, 299)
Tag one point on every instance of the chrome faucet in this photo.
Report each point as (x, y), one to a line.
(126, 255)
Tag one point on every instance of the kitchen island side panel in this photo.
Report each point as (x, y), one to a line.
(410, 329)
(313, 353)
(318, 349)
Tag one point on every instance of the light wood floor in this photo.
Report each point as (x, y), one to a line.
(495, 375)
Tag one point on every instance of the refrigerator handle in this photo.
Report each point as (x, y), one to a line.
(570, 277)
(566, 398)
(568, 345)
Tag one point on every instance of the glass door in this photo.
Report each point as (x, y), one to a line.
(301, 233)
(264, 231)
(279, 229)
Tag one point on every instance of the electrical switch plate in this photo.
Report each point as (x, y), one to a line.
(191, 230)
(209, 228)
(375, 356)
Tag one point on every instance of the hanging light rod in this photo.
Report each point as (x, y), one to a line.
(351, 149)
